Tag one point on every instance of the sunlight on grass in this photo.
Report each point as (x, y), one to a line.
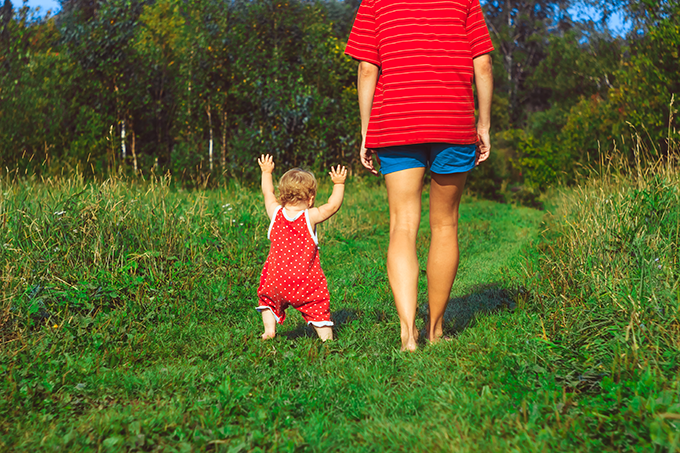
(128, 323)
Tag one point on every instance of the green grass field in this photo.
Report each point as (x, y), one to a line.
(128, 324)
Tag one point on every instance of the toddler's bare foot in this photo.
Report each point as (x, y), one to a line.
(324, 333)
(269, 322)
(268, 335)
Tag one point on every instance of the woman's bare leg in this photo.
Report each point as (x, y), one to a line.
(404, 190)
(442, 262)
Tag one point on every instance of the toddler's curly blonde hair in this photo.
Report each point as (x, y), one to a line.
(296, 185)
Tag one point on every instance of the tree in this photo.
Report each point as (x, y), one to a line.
(99, 36)
(520, 30)
(6, 14)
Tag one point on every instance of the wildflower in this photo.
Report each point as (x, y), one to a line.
(240, 224)
(58, 213)
(229, 209)
(656, 260)
(56, 326)
(226, 205)
(659, 266)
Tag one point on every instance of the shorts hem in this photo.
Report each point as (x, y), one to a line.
(448, 171)
(400, 169)
(321, 323)
(264, 307)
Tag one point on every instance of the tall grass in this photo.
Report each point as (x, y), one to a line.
(71, 246)
(605, 281)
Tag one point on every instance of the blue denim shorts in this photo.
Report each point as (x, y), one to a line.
(441, 158)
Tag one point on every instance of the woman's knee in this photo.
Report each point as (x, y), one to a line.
(444, 234)
(406, 228)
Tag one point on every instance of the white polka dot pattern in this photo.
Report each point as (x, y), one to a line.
(292, 274)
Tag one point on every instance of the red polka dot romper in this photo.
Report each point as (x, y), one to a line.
(292, 274)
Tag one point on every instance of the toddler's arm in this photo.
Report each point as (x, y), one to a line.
(267, 167)
(318, 215)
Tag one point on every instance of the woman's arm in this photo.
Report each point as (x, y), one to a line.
(367, 79)
(484, 84)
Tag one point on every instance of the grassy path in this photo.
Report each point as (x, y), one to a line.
(132, 328)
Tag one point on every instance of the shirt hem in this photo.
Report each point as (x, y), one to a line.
(480, 53)
(417, 141)
(359, 57)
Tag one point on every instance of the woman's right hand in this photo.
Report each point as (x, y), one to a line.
(483, 145)
(366, 156)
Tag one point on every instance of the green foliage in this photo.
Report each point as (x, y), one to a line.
(573, 70)
(537, 163)
(294, 88)
(520, 32)
(167, 81)
(648, 84)
(201, 88)
(638, 111)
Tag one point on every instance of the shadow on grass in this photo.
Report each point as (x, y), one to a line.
(461, 311)
(340, 318)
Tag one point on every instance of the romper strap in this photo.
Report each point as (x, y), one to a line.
(309, 227)
(271, 224)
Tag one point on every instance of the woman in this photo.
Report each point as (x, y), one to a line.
(417, 64)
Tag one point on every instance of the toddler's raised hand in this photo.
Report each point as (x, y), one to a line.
(338, 174)
(266, 163)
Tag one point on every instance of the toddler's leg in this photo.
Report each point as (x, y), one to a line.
(269, 324)
(317, 313)
(324, 333)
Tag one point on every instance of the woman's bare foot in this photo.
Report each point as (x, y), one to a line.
(409, 340)
(434, 332)
(269, 322)
(434, 338)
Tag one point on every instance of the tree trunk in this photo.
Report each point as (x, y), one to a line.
(224, 138)
(134, 154)
(122, 142)
(210, 144)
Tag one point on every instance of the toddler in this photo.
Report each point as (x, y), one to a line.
(292, 274)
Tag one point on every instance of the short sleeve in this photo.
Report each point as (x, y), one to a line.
(363, 41)
(476, 30)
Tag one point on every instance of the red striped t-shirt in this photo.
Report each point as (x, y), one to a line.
(425, 51)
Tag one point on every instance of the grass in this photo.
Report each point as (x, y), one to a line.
(128, 323)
